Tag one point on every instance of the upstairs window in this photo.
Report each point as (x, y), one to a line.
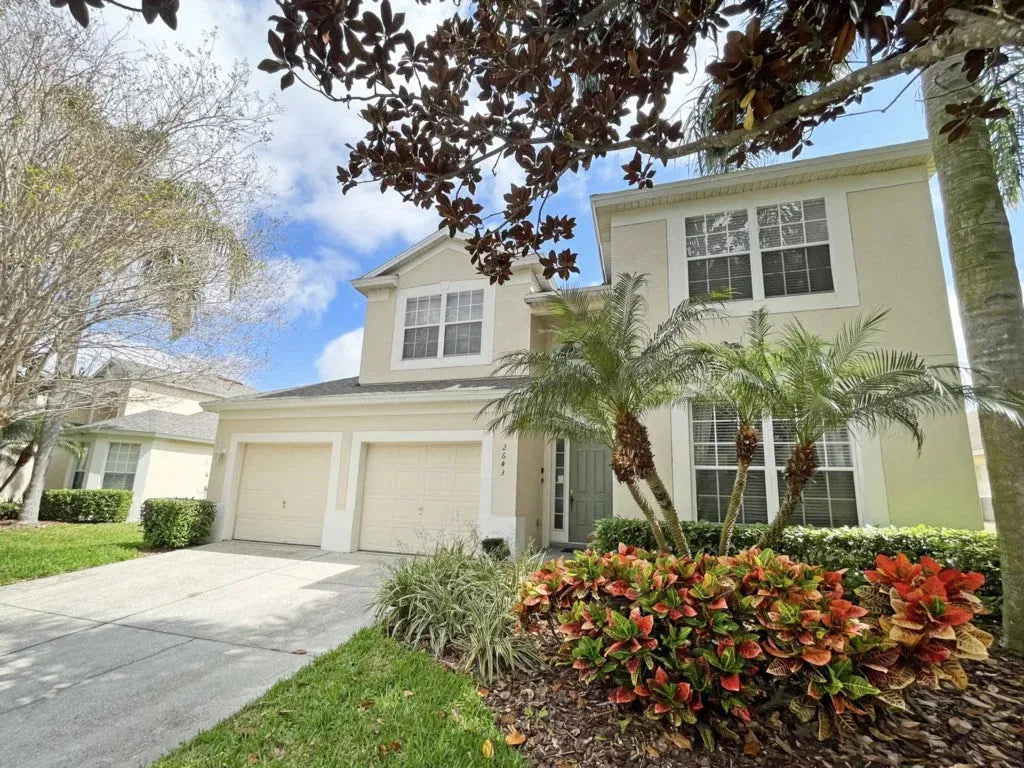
(791, 245)
(460, 325)
(122, 463)
(795, 255)
(718, 253)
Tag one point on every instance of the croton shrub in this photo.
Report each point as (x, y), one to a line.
(700, 641)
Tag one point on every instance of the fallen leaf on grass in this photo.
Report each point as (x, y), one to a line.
(252, 759)
(392, 746)
(407, 694)
(487, 749)
(514, 738)
(247, 730)
(482, 691)
(366, 704)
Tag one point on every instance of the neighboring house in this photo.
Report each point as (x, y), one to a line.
(148, 434)
(397, 458)
(980, 465)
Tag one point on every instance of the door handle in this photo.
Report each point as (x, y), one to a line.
(572, 498)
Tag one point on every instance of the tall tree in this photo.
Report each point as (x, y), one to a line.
(989, 294)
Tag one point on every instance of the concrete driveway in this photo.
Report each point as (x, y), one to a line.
(116, 665)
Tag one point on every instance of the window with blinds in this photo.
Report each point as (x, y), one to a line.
(460, 325)
(718, 253)
(122, 462)
(714, 452)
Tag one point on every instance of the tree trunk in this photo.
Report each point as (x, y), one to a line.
(735, 501)
(747, 440)
(800, 468)
(638, 497)
(48, 438)
(668, 511)
(988, 289)
(23, 458)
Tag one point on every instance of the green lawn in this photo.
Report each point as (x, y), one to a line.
(28, 553)
(369, 702)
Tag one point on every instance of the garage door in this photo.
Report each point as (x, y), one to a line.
(415, 496)
(282, 493)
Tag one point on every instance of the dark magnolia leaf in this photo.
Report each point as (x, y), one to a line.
(79, 10)
(287, 80)
(151, 10)
(270, 66)
(169, 13)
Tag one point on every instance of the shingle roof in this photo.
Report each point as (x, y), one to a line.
(216, 386)
(197, 427)
(351, 386)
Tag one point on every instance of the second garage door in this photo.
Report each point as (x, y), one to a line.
(418, 495)
(282, 493)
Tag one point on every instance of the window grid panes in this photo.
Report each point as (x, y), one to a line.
(457, 330)
(122, 461)
(830, 498)
(718, 253)
(559, 516)
(795, 256)
(714, 451)
(81, 467)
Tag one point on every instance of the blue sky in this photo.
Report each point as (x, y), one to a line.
(330, 238)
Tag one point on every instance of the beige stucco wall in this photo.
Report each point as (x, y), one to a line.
(152, 396)
(444, 263)
(176, 468)
(531, 487)
(898, 266)
(326, 423)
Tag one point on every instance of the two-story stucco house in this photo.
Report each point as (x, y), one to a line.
(147, 434)
(397, 458)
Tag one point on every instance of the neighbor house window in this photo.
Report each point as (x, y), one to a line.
(829, 499)
(559, 517)
(791, 244)
(795, 254)
(714, 452)
(718, 253)
(122, 461)
(460, 325)
(80, 473)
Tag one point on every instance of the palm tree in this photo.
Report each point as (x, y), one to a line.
(976, 173)
(605, 374)
(18, 442)
(819, 385)
(738, 376)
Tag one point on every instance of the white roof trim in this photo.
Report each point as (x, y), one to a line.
(411, 252)
(139, 433)
(451, 395)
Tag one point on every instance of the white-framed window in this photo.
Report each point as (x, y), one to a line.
(122, 462)
(447, 324)
(791, 250)
(829, 499)
(558, 518)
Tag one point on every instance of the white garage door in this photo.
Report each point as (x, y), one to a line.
(282, 493)
(416, 496)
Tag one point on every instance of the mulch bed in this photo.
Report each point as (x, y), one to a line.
(570, 725)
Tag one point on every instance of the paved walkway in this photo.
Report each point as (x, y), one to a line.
(116, 665)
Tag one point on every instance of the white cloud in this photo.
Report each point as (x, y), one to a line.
(339, 358)
(310, 283)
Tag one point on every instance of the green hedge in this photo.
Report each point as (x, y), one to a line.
(9, 510)
(175, 523)
(81, 506)
(853, 549)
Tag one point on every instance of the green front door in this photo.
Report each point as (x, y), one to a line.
(590, 488)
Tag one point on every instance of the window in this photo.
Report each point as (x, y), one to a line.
(829, 500)
(559, 521)
(718, 253)
(795, 255)
(461, 325)
(122, 461)
(792, 246)
(80, 473)
(714, 452)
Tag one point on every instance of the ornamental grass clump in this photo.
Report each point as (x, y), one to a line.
(703, 641)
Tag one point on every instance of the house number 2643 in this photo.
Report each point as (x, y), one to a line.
(504, 455)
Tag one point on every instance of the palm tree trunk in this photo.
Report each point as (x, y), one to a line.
(48, 438)
(668, 511)
(800, 468)
(747, 440)
(24, 457)
(641, 502)
(989, 293)
(735, 500)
